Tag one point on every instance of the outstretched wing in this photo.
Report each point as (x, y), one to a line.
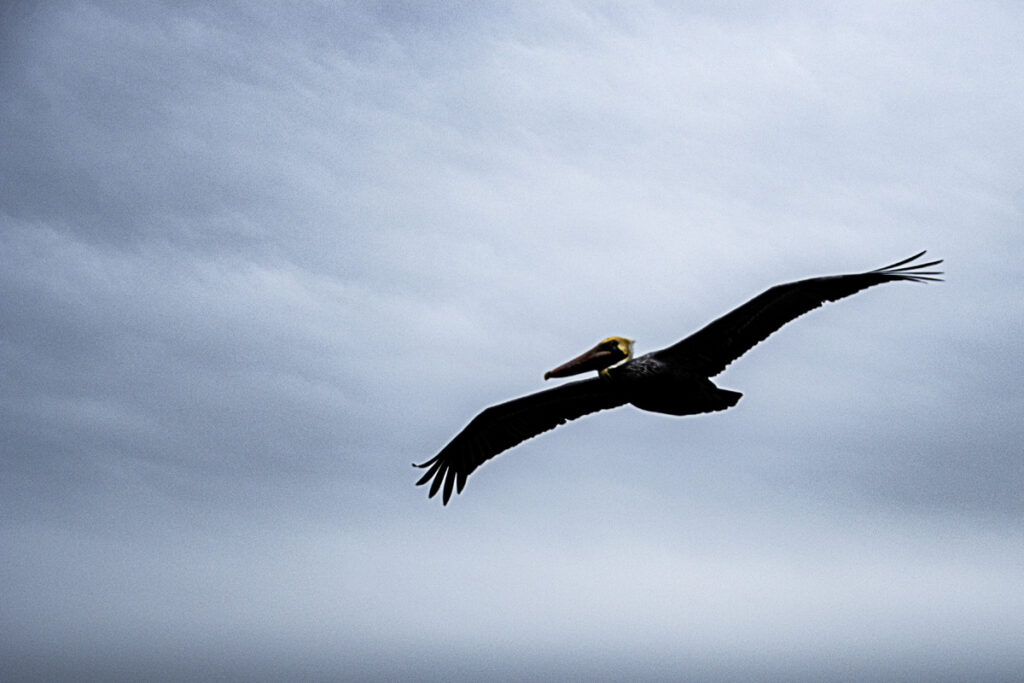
(712, 348)
(502, 426)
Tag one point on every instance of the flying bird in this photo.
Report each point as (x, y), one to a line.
(675, 380)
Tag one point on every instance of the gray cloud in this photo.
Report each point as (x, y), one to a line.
(256, 260)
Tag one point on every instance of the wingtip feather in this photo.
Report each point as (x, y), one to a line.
(449, 482)
(436, 484)
(430, 473)
(900, 263)
(910, 271)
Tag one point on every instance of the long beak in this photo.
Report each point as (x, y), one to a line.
(596, 358)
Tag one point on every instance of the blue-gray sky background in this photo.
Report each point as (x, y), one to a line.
(257, 258)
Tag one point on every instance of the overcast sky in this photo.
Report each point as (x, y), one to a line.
(255, 259)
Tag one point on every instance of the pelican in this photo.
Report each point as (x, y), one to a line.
(675, 380)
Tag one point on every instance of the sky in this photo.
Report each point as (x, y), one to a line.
(257, 258)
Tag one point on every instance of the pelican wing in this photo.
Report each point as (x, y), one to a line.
(502, 426)
(714, 347)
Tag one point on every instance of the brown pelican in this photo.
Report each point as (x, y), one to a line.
(675, 380)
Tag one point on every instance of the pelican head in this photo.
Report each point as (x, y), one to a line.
(607, 354)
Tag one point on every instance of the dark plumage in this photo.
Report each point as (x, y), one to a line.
(675, 380)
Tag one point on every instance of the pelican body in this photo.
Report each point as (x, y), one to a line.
(675, 380)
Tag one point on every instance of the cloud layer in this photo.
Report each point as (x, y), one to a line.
(256, 260)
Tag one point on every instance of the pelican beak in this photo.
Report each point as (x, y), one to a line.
(597, 358)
